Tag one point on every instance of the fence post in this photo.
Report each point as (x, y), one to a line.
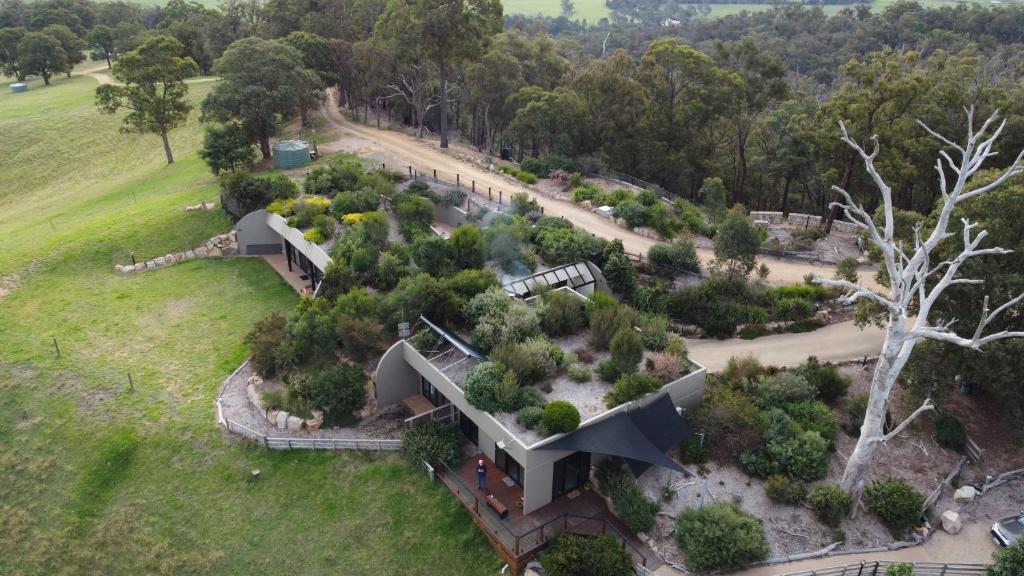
(289, 443)
(473, 184)
(410, 170)
(266, 444)
(435, 174)
(499, 197)
(458, 182)
(489, 196)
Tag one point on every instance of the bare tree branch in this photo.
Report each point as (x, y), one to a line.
(925, 406)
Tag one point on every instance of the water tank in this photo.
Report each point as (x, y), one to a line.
(291, 153)
(19, 87)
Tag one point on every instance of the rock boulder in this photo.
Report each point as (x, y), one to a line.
(965, 494)
(294, 423)
(282, 420)
(951, 522)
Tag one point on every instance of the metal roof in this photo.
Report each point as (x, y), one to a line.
(291, 145)
(572, 275)
(454, 340)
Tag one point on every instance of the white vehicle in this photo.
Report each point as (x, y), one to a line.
(1008, 530)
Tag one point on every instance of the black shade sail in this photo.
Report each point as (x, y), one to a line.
(640, 436)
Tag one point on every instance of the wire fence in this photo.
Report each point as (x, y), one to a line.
(878, 567)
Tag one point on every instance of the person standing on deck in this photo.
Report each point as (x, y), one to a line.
(481, 476)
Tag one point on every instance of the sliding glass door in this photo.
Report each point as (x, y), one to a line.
(570, 473)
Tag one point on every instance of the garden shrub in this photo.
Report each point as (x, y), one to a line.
(742, 368)
(814, 415)
(273, 399)
(311, 330)
(360, 338)
(720, 537)
(532, 360)
(808, 292)
(856, 408)
(563, 313)
(785, 491)
(414, 216)
(793, 309)
(470, 250)
(325, 225)
(675, 258)
(434, 255)
(242, 192)
(544, 165)
(530, 416)
(950, 432)
(605, 323)
(788, 449)
(579, 373)
(774, 390)
(314, 235)
(340, 389)
(627, 350)
(560, 416)
(354, 201)
(588, 192)
(597, 555)
(631, 387)
(830, 503)
(1008, 561)
(268, 345)
(652, 298)
(692, 452)
(433, 443)
(897, 503)
(900, 569)
(567, 245)
(498, 318)
(693, 220)
(522, 204)
(664, 366)
(830, 383)
(731, 422)
(620, 275)
(633, 212)
(627, 498)
(481, 385)
(654, 332)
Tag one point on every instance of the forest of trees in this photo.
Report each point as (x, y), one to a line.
(753, 99)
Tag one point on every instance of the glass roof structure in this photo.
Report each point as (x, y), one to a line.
(574, 276)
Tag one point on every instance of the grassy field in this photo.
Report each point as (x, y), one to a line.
(97, 478)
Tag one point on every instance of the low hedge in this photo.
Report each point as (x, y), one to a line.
(830, 504)
(897, 503)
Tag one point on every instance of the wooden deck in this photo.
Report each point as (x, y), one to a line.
(417, 404)
(279, 262)
(518, 537)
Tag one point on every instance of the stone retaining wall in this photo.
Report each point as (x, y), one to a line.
(795, 220)
(280, 418)
(220, 245)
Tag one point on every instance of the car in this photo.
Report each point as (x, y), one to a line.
(1008, 530)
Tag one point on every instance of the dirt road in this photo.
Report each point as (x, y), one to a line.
(102, 75)
(426, 156)
(835, 343)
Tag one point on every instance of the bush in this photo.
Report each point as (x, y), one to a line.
(620, 275)
(563, 313)
(433, 443)
(567, 245)
(605, 323)
(654, 331)
(544, 166)
(530, 416)
(677, 257)
(631, 387)
(720, 537)
(633, 212)
(950, 433)
(242, 193)
(741, 368)
(896, 503)
(785, 491)
(814, 415)
(532, 360)
(497, 319)
(354, 201)
(900, 569)
(340, 389)
(560, 416)
(627, 498)
(598, 555)
(434, 255)
(414, 216)
(627, 350)
(788, 449)
(692, 452)
(315, 236)
(777, 389)
(1009, 561)
(579, 373)
(360, 338)
(522, 204)
(793, 309)
(830, 504)
(664, 366)
(830, 383)
(481, 386)
(731, 422)
(856, 408)
(470, 250)
(325, 225)
(273, 399)
(268, 344)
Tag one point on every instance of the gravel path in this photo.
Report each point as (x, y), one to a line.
(237, 408)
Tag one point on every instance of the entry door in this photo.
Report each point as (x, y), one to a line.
(570, 473)
(507, 463)
(469, 429)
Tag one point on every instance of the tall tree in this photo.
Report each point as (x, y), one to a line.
(41, 54)
(918, 275)
(101, 38)
(10, 63)
(153, 91)
(70, 42)
(446, 33)
(262, 83)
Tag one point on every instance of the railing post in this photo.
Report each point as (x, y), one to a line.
(289, 443)
(473, 184)
(517, 546)
(458, 181)
(265, 443)
(489, 196)
(435, 174)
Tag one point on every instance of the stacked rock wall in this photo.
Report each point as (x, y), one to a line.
(220, 245)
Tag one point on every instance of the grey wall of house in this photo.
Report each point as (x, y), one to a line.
(450, 215)
(254, 232)
(601, 285)
(394, 378)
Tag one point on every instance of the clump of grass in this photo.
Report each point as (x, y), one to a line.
(94, 489)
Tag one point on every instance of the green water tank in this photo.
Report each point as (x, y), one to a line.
(291, 154)
(19, 87)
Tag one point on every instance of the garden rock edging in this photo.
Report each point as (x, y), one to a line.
(218, 246)
(280, 418)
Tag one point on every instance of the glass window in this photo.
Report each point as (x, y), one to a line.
(570, 473)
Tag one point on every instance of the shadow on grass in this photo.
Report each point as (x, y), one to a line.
(96, 487)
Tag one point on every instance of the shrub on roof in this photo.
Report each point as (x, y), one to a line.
(563, 313)
(481, 385)
(627, 350)
(560, 416)
(631, 387)
(532, 360)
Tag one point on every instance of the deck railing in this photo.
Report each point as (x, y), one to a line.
(519, 545)
(272, 443)
(877, 568)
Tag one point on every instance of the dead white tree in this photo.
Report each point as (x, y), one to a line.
(915, 282)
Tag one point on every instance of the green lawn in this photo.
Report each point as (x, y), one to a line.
(96, 478)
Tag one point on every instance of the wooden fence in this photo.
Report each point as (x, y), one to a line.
(877, 568)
